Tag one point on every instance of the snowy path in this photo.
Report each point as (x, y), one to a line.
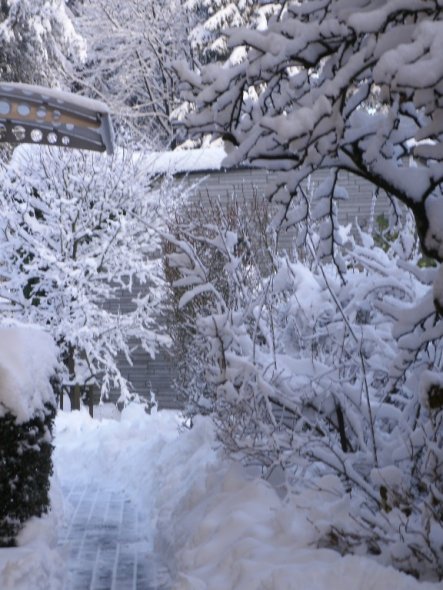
(104, 545)
(106, 535)
(133, 498)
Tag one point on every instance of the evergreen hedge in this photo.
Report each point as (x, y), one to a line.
(25, 470)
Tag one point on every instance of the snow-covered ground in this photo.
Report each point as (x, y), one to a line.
(219, 528)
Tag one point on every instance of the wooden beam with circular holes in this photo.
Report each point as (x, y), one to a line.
(37, 115)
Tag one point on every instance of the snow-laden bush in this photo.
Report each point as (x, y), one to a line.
(327, 370)
(27, 410)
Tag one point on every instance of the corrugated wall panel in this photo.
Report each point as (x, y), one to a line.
(157, 374)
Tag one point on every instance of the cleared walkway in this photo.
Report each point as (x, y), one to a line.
(105, 545)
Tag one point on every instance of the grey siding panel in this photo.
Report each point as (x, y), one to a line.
(145, 374)
(157, 374)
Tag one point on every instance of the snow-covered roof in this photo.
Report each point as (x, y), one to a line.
(185, 161)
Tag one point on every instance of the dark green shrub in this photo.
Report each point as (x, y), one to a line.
(25, 470)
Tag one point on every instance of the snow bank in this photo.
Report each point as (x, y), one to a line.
(28, 358)
(35, 564)
(228, 530)
(217, 525)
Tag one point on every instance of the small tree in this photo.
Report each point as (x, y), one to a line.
(75, 235)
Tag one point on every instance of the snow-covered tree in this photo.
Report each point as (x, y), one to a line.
(210, 19)
(130, 48)
(336, 85)
(37, 41)
(336, 368)
(75, 234)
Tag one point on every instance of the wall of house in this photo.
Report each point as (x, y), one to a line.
(247, 182)
(157, 374)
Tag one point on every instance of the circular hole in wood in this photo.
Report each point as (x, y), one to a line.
(36, 135)
(52, 137)
(5, 107)
(23, 110)
(19, 132)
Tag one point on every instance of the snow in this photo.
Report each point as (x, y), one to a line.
(183, 161)
(28, 359)
(36, 563)
(218, 524)
(59, 96)
(35, 566)
(303, 282)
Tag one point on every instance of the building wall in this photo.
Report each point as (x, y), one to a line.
(157, 374)
(249, 182)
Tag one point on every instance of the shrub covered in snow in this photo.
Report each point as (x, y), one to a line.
(27, 411)
(316, 370)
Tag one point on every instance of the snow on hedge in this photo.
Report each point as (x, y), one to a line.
(36, 563)
(28, 359)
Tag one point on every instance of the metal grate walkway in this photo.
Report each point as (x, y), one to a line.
(105, 544)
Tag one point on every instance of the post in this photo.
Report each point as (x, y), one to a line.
(76, 398)
(91, 400)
